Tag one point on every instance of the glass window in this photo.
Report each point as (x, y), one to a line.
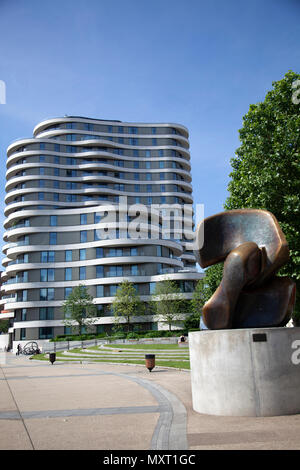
(161, 176)
(148, 176)
(99, 271)
(52, 238)
(159, 251)
(68, 255)
(56, 171)
(23, 314)
(113, 290)
(152, 287)
(133, 251)
(97, 234)
(83, 219)
(53, 220)
(97, 217)
(42, 170)
(41, 196)
(99, 252)
(149, 188)
(135, 153)
(46, 332)
(68, 274)
(46, 313)
(136, 176)
(148, 165)
(43, 275)
(56, 184)
(82, 254)
(133, 130)
(83, 236)
(55, 196)
(68, 291)
(136, 164)
(42, 146)
(161, 164)
(154, 141)
(23, 333)
(134, 270)
(153, 130)
(82, 273)
(100, 291)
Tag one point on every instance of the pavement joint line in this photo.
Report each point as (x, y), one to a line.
(81, 412)
(17, 408)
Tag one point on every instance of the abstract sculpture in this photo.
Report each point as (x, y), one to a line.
(254, 248)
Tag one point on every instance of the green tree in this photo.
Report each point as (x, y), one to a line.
(4, 326)
(127, 303)
(266, 168)
(168, 301)
(79, 309)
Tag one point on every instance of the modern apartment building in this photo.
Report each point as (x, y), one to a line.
(76, 191)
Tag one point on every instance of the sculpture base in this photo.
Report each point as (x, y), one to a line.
(246, 372)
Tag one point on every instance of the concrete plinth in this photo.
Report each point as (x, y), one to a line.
(246, 372)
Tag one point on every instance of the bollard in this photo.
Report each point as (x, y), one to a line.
(52, 357)
(150, 361)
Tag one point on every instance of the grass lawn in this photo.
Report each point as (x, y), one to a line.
(177, 362)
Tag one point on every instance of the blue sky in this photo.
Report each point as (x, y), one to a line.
(198, 63)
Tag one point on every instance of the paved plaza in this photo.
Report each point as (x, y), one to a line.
(117, 407)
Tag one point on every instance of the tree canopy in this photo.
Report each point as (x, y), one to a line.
(168, 301)
(79, 309)
(266, 168)
(127, 303)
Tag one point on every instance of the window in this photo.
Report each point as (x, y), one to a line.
(133, 141)
(163, 199)
(148, 165)
(47, 275)
(41, 196)
(154, 141)
(163, 187)
(133, 251)
(52, 238)
(23, 314)
(136, 176)
(68, 255)
(160, 153)
(113, 289)
(153, 130)
(83, 236)
(120, 130)
(56, 147)
(148, 153)
(161, 176)
(149, 200)
(115, 271)
(134, 270)
(83, 219)
(97, 234)
(135, 153)
(46, 332)
(47, 257)
(99, 252)
(56, 184)
(136, 164)
(148, 176)
(82, 273)
(56, 160)
(161, 164)
(56, 171)
(46, 313)
(100, 291)
(47, 294)
(68, 291)
(55, 196)
(68, 274)
(53, 220)
(158, 252)
(152, 287)
(23, 333)
(42, 146)
(42, 170)
(99, 271)
(97, 217)
(136, 188)
(133, 130)
(149, 188)
(82, 254)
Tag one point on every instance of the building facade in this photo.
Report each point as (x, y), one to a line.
(78, 199)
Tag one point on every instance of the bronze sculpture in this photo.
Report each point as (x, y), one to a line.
(253, 248)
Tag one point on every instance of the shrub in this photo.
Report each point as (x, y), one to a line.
(132, 336)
